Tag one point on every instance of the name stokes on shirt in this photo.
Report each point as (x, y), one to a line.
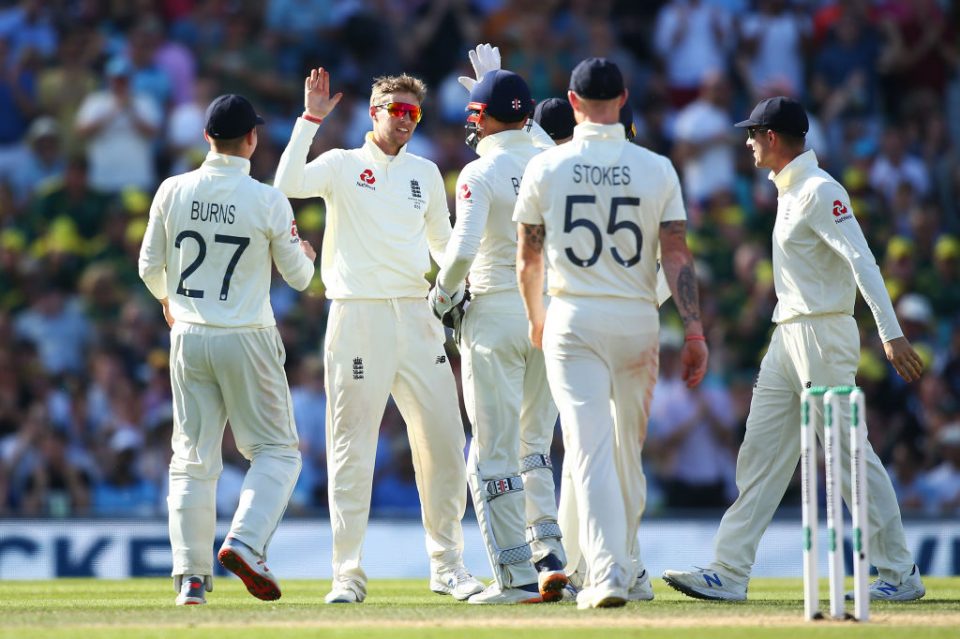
(601, 175)
(213, 212)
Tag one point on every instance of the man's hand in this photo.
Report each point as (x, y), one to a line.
(536, 333)
(308, 250)
(442, 302)
(693, 359)
(905, 360)
(167, 315)
(316, 94)
(484, 59)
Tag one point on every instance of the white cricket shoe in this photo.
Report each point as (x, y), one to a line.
(457, 582)
(242, 561)
(192, 591)
(493, 594)
(706, 583)
(909, 589)
(642, 589)
(604, 595)
(346, 592)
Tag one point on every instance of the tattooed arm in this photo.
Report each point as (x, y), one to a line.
(530, 276)
(677, 263)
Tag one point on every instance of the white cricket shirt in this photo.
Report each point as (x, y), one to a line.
(602, 200)
(209, 243)
(820, 255)
(484, 240)
(385, 215)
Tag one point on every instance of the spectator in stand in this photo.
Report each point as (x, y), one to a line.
(692, 38)
(17, 104)
(62, 86)
(42, 163)
(73, 198)
(705, 145)
(309, 413)
(896, 165)
(59, 483)
(55, 324)
(906, 474)
(692, 435)
(920, 52)
(844, 77)
(119, 126)
(943, 481)
(122, 491)
(774, 40)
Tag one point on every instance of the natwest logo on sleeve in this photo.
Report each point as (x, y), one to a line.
(367, 180)
(464, 192)
(294, 236)
(841, 211)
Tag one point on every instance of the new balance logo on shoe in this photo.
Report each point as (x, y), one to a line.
(713, 580)
(887, 589)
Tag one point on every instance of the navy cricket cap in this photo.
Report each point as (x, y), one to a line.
(781, 114)
(555, 115)
(230, 116)
(597, 79)
(502, 94)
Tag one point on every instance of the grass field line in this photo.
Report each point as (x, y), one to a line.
(598, 619)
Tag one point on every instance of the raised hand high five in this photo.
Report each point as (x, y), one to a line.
(317, 102)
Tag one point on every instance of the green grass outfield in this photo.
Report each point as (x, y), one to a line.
(402, 609)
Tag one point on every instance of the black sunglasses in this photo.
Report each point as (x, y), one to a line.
(752, 131)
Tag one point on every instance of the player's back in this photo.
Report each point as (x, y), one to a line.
(602, 200)
(219, 225)
(498, 174)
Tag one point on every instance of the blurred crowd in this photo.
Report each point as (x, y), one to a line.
(101, 99)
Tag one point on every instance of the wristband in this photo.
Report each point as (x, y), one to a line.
(309, 118)
(694, 338)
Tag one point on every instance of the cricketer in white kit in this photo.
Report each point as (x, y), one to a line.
(206, 255)
(820, 258)
(386, 214)
(504, 380)
(599, 207)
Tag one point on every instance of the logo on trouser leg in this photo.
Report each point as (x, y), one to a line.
(441, 359)
(358, 368)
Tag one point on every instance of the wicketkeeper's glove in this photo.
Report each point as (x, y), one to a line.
(449, 309)
(484, 58)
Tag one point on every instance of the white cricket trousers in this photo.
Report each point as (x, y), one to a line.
(220, 374)
(602, 357)
(375, 348)
(512, 418)
(814, 351)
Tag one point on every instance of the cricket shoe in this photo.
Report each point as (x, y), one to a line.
(909, 589)
(346, 592)
(551, 579)
(457, 582)
(603, 595)
(493, 594)
(642, 589)
(704, 583)
(240, 559)
(192, 592)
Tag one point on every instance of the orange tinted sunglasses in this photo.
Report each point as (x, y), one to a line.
(399, 109)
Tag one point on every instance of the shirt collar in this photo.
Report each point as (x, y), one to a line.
(794, 170)
(216, 160)
(593, 131)
(377, 154)
(501, 140)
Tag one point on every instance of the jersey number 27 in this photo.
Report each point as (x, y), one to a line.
(241, 244)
